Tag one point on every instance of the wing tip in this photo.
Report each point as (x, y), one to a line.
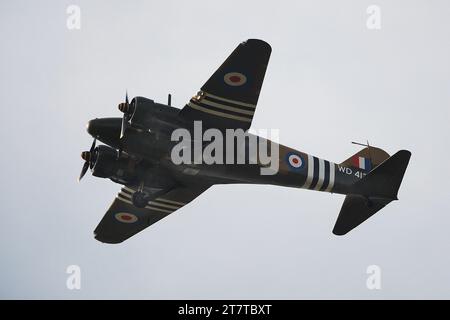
(405, 153)
(338, 232)
(105, 239)
(259, 44)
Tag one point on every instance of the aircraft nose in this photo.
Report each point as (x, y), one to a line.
(106, 130)
(92, 127)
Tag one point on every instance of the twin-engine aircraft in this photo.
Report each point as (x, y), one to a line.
(138, 155)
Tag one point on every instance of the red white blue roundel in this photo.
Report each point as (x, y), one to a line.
(235, 79)
(126, 217)
(294, 161)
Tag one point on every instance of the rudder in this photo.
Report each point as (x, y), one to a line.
(372, 193)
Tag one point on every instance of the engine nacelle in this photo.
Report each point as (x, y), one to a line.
(106, 164)
(143, 112)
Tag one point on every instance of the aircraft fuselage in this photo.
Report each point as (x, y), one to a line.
(151, 141)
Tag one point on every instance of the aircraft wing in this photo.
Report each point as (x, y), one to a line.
(123, 219)
(228, 99)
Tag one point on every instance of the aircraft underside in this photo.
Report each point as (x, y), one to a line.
(166, 157)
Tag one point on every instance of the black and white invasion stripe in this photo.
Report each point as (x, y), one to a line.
(321, 174)
(222, 107)
(159, 204)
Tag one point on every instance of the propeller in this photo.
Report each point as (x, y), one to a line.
(87, 156)
(126, 109)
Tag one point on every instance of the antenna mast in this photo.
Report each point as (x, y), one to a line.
(368, 149)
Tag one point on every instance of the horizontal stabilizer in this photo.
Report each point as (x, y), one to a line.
(355, 211)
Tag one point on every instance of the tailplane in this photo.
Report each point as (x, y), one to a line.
(372, 193)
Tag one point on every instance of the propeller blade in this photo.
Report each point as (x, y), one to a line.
(125, 116)
(83, 171)
(87, 156)
(93, 146)
(124, 125)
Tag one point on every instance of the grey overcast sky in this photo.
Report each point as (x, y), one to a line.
(330, 80)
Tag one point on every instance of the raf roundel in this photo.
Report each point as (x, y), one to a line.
(235, 79)
(295, 161)
(126, 217)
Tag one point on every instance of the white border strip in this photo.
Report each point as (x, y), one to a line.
(158, 209)
(332, 175)
(310, 176)
(159, 204)
(123, 199)
(171, 201)
(229, 100)
(321, 174)
(217, 113)
(225, 107)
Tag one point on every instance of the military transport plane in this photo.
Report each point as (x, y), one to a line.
(138, 147)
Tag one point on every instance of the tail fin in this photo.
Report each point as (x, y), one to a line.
(372, 193)
(366, 159)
